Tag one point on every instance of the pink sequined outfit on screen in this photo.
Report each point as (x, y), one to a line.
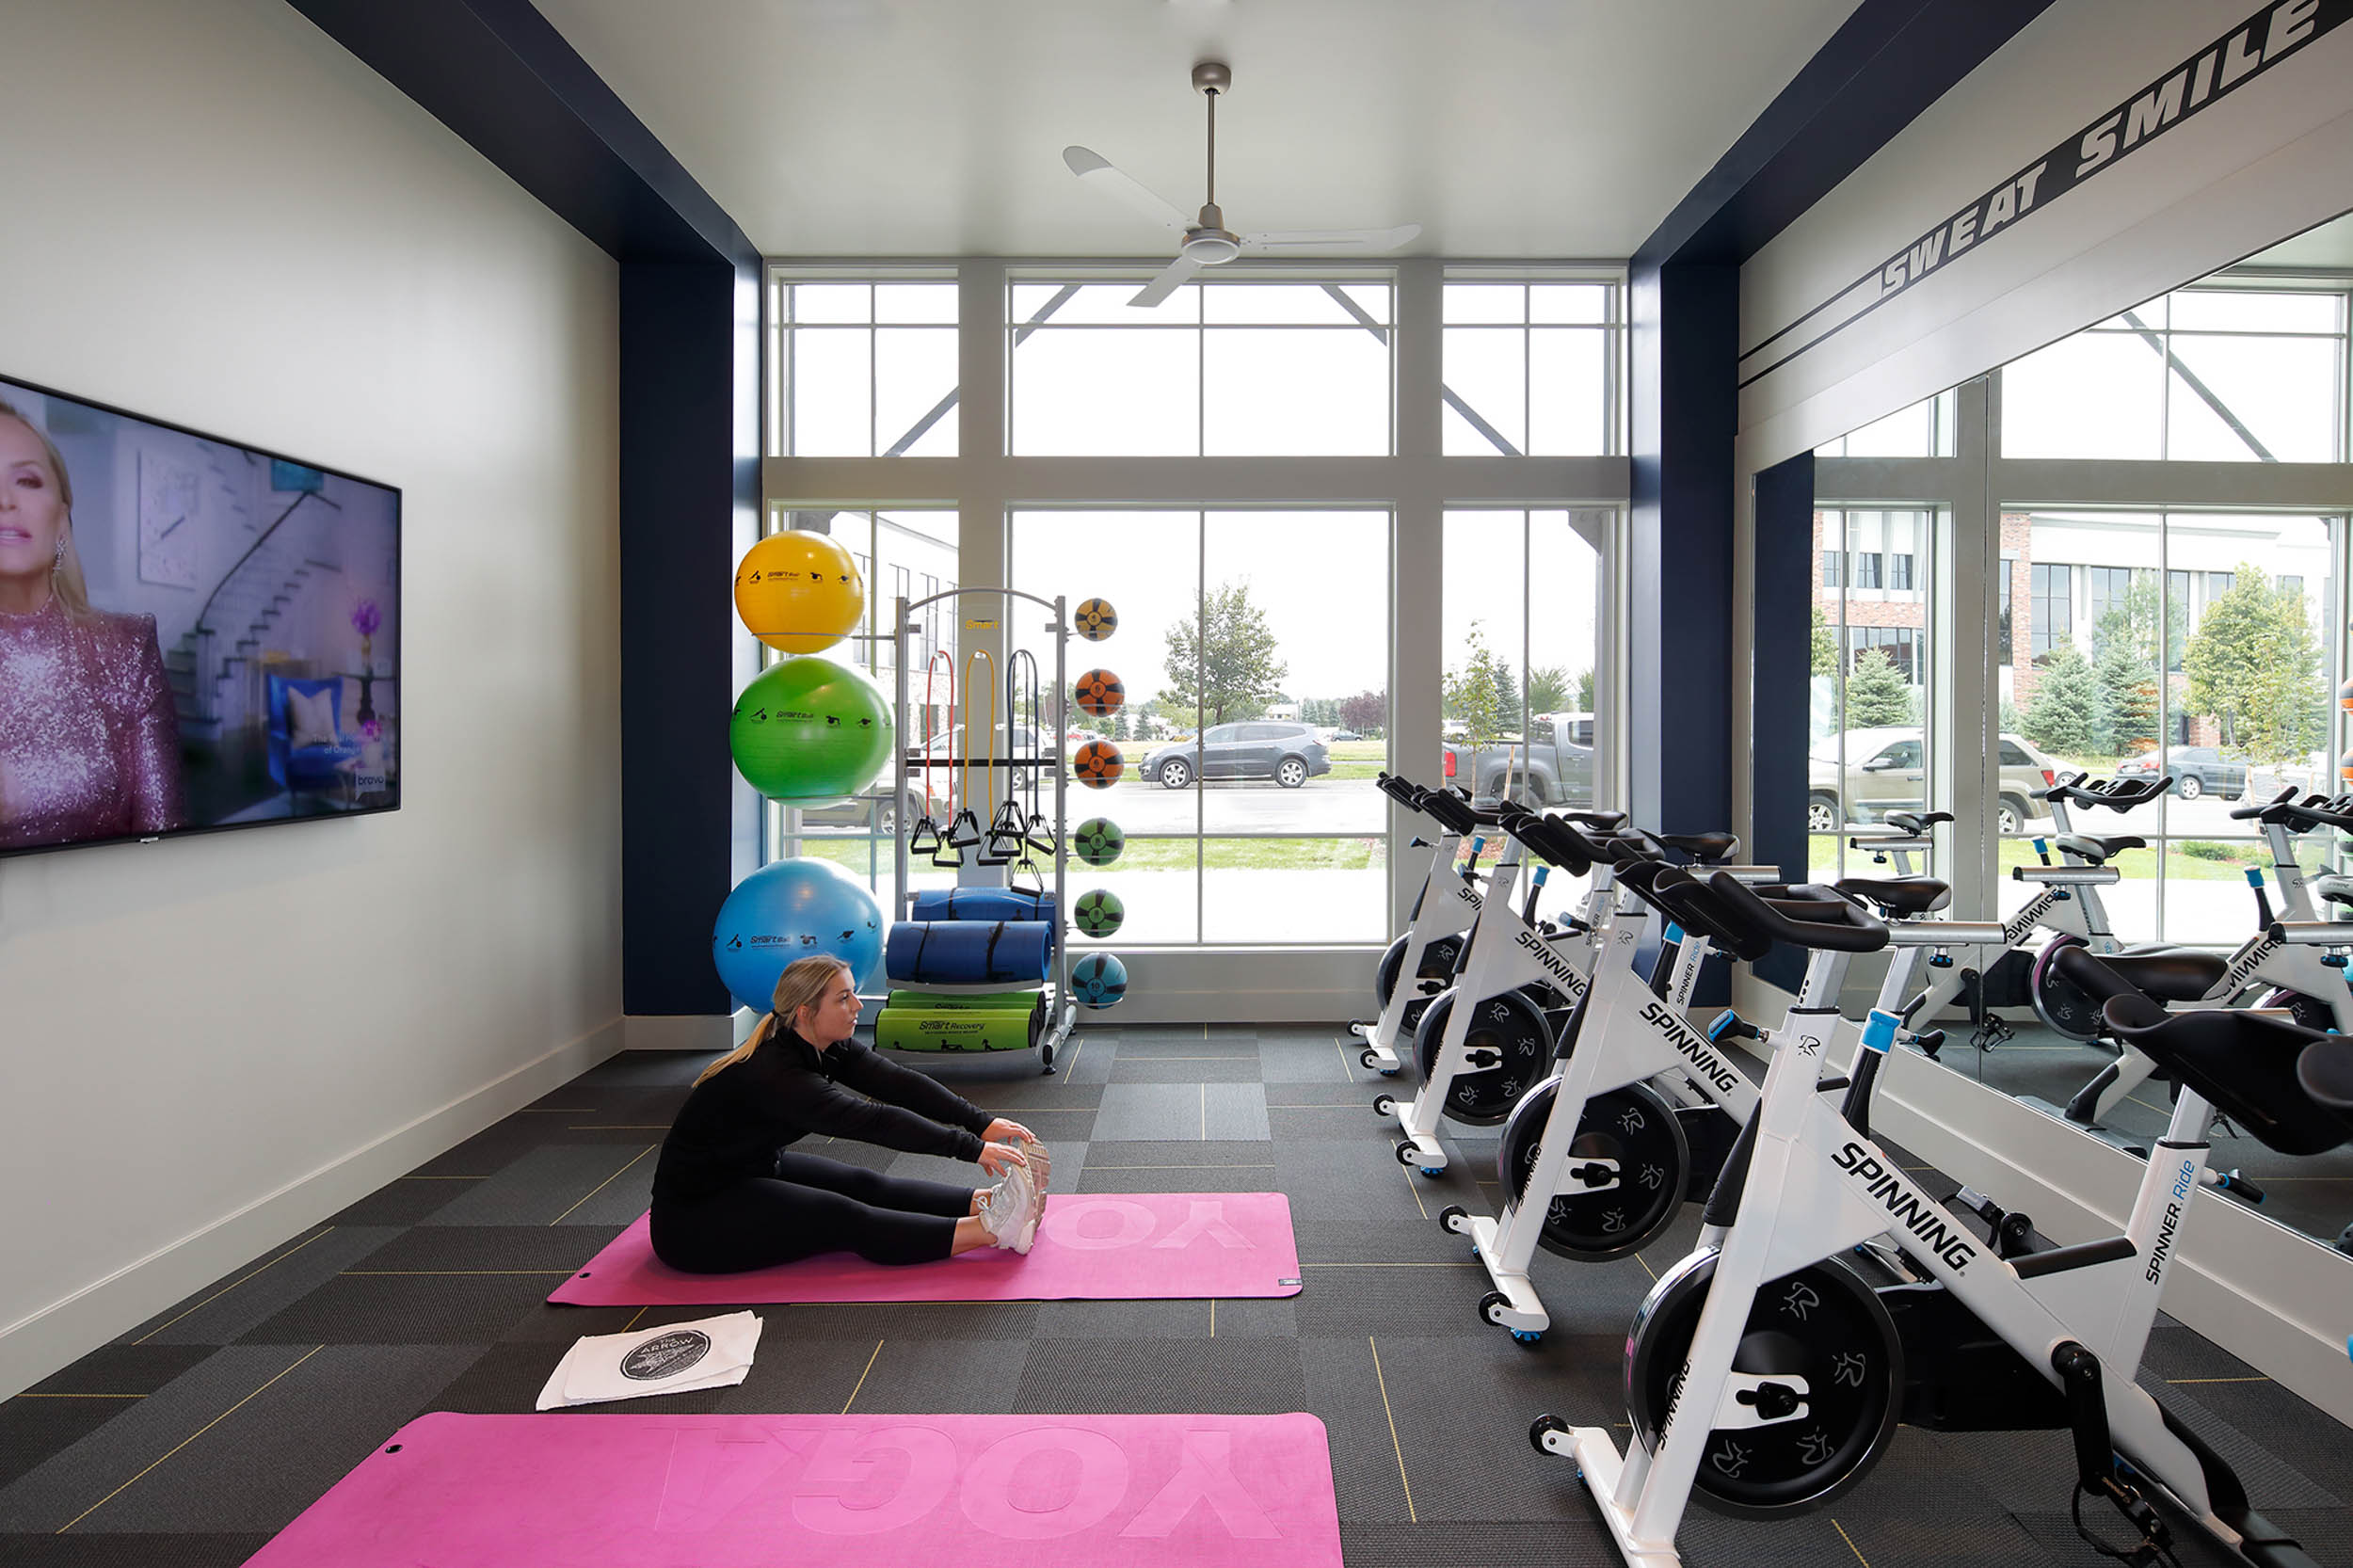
(90, 746)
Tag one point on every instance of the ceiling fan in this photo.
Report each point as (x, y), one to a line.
(1208, 242)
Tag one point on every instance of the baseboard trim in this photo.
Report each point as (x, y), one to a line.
(60, 1333)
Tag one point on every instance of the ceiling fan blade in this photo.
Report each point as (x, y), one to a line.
(1334, 239)
(1097, 171)
(1171, 277)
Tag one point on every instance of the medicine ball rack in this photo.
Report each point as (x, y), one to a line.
(1062, 1012)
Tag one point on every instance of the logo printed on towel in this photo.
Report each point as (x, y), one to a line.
(666, 1355)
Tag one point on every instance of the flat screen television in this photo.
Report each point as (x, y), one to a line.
(194, 634)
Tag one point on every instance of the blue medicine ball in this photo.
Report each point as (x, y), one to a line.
(791, 909)
(1098, 980)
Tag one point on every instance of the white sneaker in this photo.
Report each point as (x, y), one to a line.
(1006, 1212)
(1041, 1164)
(1037, 1213)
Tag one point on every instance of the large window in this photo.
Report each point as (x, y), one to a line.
(1121, 457)
(1221, 369)
(1869, 741)
(1527, 711)
(1254, 648)
(862, 367)
(2248, 373)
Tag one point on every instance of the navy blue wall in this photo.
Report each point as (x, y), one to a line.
(1780, 700)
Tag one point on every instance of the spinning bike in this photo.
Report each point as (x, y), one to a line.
(1444, 911)
(1764, 1373)
(1596, 1162)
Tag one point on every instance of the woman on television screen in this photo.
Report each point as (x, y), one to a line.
(90, 746)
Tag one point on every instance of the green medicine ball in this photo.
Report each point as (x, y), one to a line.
(1097, 841)
(1099, 912)
(808, 730)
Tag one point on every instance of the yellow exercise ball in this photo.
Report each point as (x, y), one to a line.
(799, 592)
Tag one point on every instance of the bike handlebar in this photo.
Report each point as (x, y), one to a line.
(1810, 916)
(2117, 795)
(1550, 839)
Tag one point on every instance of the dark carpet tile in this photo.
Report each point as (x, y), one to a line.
(1241, 1377)
(128, 1551)
(123, 1369)
(488, 1152)
(1158, 1320)
(253, 1435)
(2322, 1447)
(1086, 1060)
(1033, 1095)
(1344, 1388)
(816, 1376)
(230, 1307)
(1453, 1545)
(640, 1069)
(408, 1309)
(33, 1431)
(400, 1203)
(2177, 1353)
(1255, 1318)
(551, 1324)
(2055, 1533)
(864, 1322)
(1341, 1120)
(1451, 1396)
(483, 1247)
(911, 1376)
(1292, 1095)
(561, 1183)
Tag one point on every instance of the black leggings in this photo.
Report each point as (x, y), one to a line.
(813, 1205)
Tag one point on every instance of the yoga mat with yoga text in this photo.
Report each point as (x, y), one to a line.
(1126, 1246)
(640, 1491)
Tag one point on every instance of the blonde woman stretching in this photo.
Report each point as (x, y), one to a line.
(730, 1195)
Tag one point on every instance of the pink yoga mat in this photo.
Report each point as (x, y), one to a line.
(829, 1492)
(1129, 1246)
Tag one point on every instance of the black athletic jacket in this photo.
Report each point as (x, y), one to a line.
(736, 1121)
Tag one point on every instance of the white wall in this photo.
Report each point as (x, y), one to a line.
(224, 220)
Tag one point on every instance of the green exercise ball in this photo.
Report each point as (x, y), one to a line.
(808, 730)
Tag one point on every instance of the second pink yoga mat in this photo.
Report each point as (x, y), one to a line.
(627, 1490)
(1130, 1246)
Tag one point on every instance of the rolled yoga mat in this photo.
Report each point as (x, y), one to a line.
(968, 1001)
(628, 1490)
(980, 904)
(968, 952)
(1128, 1246)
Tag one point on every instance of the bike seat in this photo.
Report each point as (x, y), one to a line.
(1704, 846)
(2244, 1062)
(2183, 974)
(1898, 896)
(2326, 1072)
(2098, 850)
(2334, 890)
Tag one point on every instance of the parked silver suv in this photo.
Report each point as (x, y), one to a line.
(1885, 772)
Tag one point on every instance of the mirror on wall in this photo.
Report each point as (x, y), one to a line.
(2147, 523)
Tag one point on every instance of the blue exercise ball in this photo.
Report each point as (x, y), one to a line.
(791, 909)
(1098, 980)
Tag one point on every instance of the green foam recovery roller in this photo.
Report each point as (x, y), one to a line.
(901, 1029)
(988, 1001)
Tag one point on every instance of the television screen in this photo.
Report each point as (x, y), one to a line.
(194, 634)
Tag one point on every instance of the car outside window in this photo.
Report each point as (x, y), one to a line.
(1903, 754)
(1223, 733)
(2015, 757)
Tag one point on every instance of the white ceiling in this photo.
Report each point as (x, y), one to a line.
(2327, 247)
(1506, 128)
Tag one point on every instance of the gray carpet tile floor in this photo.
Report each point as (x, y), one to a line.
(200, 1433)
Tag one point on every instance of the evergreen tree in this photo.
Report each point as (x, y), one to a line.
(2254, 665)
(1876, 692)
(2128, 694)
(2065, 715)
(1585, 692)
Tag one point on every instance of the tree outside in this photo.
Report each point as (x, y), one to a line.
(1585, 692)
(1366, 712)
(1876, 692)
(2254, 664)
(1473, 692)
(1549, 691)
(2065, 715)
(1825, 645)
(1229, 656)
